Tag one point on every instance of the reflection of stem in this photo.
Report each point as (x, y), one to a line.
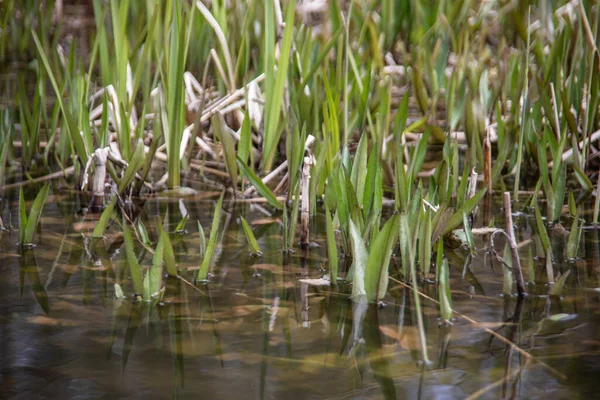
(380, 365)
(529, 356)
(29, 266)
(264, 363)
(401, 311)
(218, 347)
(413, 273)
(513, 245)
(478, 394)
(445, 336)
(516, 320)
(304, 292)
(55, 263)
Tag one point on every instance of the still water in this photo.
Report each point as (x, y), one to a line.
(258, 329)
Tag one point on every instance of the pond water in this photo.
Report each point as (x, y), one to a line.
(256, 330)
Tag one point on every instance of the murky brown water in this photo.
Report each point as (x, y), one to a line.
(257, 331)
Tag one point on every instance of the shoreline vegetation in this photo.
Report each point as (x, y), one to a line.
(397, 120)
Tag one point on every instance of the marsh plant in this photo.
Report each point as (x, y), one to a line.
(384, 116)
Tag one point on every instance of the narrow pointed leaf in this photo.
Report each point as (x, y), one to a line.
(212, 241)
(376, 275)
(332, 252)
(252, 243)
(466, 208)
(259, 185)
(361, 259)
(134, 266)
(35, 214)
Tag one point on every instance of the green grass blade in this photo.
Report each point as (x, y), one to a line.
(202, 239)
(557, 288)
(274, 102)
(573, 241)
(134, 266)
(169, 254)
(105, 218)
(361, 260)
(35, 214)
(293, 221)
(468, 234)
(380, 252)
(542, 231)
(212, 241)
(76, 138)
(444, 292)
(259, 185)
(154, 275)
(222, 132)
(252, 243)
(245, 139)
(466, 208)
(180, 228)
(332, 252)
(136, 162)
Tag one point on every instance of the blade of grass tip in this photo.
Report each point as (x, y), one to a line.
(557, 288)
(169, 254)
(134, 266)
(259, 184)
(439, 259)
(153, 278)
(210, 249)
(573, 241)
(419, 156)
(35, 214)
(76, 138)
(202, 239)
(143, 233)
(180, 228)
(468, 234)
(331, 247)
(572, 205)
(274, 103)
(245, 139)
(222, 132)
(252, 242)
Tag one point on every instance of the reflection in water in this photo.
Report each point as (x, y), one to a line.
(30, 269)
(255, 331)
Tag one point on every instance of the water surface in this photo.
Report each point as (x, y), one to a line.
(257, 331)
